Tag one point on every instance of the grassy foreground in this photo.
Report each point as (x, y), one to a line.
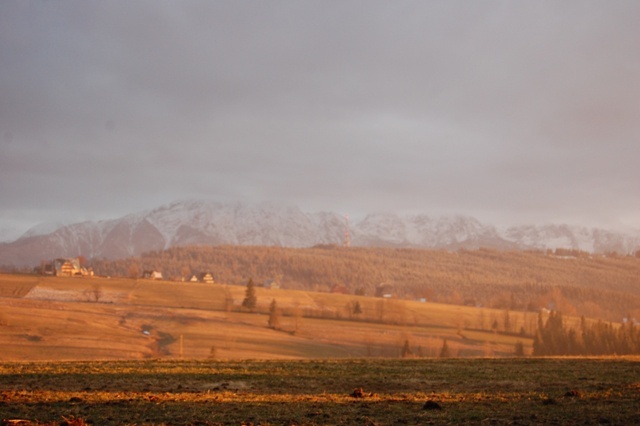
(425, 391)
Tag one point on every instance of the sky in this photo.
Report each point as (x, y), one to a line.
(510, 112)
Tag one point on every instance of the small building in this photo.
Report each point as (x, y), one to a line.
(66, 267)
(194, 279)
(384, 290)
(206, 278)
(46, 268)
(271, 284)
(152, 275)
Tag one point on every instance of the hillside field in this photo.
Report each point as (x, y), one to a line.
(54, 318)
(574, 282)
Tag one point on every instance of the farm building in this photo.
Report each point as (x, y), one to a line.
(66, 267)
(152, 275)
(206, 278)
(271, 284)
(385, 290)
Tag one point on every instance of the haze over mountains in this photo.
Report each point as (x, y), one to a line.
(268, 224)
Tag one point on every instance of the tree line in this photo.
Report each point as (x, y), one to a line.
(604, 287)
(553, 337)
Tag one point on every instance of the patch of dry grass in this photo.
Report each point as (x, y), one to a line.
(98, 318)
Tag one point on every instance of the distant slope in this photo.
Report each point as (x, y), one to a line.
(574, 282)
(269, 224)
(99, 318)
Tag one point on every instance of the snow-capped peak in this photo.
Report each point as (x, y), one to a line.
(43, 229)
(197, 222)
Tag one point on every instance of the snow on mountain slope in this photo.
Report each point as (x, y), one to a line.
(197, 222)
(381, 229)
(178, 224)
(423, 231)
(43, 229)
(572, 237)
(8, 234)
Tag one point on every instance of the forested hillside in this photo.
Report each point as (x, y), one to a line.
(570, 281)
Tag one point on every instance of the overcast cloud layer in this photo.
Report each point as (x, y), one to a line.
(512, 112)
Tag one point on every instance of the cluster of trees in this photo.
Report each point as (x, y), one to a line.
(606, 287)
(555, 338)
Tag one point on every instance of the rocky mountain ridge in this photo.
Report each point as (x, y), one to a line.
(269, 224)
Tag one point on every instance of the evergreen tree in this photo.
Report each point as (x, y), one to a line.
(591, 339)
(507, 321)
(444, 351)
(250, 299)
(357, 309)
(538, 346)
(406, 350)
(274, 315)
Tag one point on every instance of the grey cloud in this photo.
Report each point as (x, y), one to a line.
(447, 106)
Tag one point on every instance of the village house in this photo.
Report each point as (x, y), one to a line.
(46, 268)
(206, 278)
(152, 275)
(66, 267)
(385, 290)
(271, 284)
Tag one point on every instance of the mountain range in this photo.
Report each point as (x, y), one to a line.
(198, 222)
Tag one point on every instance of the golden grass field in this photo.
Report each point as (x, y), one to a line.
(53, 318)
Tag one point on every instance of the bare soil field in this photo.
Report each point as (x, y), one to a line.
(558, 391)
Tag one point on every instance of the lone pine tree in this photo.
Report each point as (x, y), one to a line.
(444, 351)
(274, 315)
(250, 299)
